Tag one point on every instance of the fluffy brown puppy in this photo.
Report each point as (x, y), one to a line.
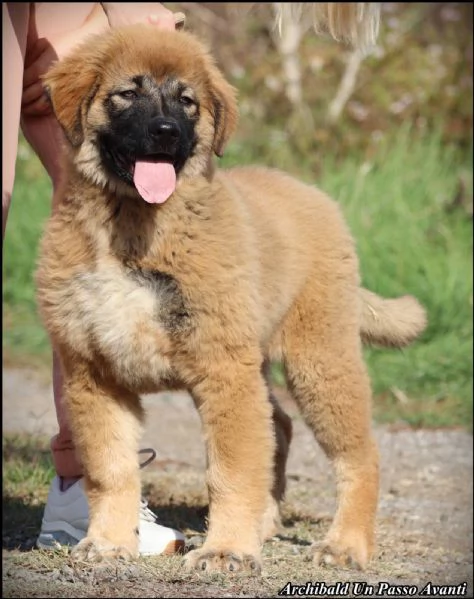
(158, 271)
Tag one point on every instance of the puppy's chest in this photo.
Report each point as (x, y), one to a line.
(130, 317)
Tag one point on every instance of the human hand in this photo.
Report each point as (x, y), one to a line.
(33, 101)
(128, 13)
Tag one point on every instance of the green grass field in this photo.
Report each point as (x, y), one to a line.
(414, 235)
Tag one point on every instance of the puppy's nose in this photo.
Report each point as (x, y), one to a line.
(164, 129)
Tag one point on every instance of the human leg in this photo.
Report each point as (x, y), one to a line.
(15, 30)
(62, 25)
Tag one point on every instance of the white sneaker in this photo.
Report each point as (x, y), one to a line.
(66, 520)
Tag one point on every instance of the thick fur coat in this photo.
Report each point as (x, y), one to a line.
(198, 290)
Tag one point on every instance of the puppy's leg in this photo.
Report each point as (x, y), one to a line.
(105, 423)
(283, 432)
(328, 378)
(236, 416)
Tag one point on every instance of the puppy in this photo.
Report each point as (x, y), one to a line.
(158, 271)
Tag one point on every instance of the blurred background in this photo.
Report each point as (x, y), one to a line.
(389, 136)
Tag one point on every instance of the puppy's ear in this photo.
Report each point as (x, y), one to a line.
(225, 109)
(71, 85)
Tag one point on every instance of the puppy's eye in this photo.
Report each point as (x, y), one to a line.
(186, 100)
(128, 94)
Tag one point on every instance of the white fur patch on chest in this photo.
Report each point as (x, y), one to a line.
(107, 313)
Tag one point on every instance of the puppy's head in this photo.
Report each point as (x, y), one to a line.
(142, 108)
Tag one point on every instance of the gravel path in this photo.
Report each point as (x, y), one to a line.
(425, 521)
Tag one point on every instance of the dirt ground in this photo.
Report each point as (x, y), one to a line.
(425, 518)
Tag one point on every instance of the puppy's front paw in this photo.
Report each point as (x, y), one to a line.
(222, 561)
(97, 549)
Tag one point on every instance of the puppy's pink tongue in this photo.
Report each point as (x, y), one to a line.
(155, 181)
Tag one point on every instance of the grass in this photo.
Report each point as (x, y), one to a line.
(27, 472)
(24, 339)
(408, 215)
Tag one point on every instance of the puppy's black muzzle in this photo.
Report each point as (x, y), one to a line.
(133, 137)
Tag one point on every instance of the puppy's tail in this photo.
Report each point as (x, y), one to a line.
(391, 322)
